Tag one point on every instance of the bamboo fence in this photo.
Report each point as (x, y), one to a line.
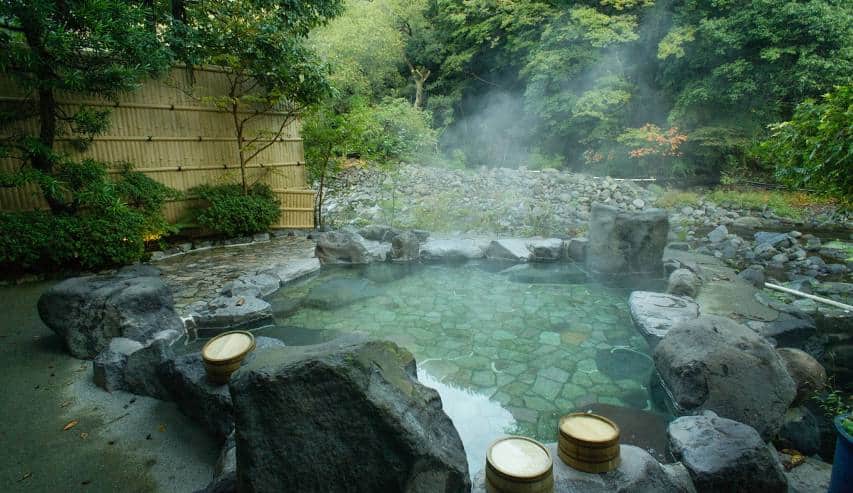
(181, 141)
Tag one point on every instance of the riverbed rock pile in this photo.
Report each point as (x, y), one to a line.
(488, 200)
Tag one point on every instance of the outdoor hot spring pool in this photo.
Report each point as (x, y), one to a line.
(509, 348)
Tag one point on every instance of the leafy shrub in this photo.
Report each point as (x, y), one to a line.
(814, 149)
(147, 196)
(41, 241)
(230, 212)
(104, 225)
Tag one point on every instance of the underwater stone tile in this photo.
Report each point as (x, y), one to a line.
(483, 378)
(501, 397)
(554, 373)
(538, 403)
(581, 379)
(587, 365)
(552, 338)
(524, 414)
(504, 379)
(546, 387)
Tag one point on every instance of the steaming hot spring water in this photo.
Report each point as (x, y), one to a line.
(509, 348)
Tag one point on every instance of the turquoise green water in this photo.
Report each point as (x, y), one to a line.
(507, 357)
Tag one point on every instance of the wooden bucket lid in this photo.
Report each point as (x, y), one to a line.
(228, 346)
(519, 458)
(589, 429)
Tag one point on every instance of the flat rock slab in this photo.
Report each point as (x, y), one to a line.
(713, 363)
(225, 313)
(638, 472)
(723, 293)
(725, 455)
(453, 249)
(295, 269)
(654, 314)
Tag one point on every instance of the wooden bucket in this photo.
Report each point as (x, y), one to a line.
(519, 465)
(223, 354)
(588, 442)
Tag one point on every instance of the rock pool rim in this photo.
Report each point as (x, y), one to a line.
(230, 359)
(533, 477)
(608, 442)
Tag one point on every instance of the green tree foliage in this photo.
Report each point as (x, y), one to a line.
(101, 47)
(814, 149)
(110, 222)
(261, 44)
(384, 133)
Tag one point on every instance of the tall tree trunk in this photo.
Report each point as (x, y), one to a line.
(241, 153)
(42, 159)
(420, 76)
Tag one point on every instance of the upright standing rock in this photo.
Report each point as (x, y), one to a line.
(405, 247)
(626, 242)
(345, 416)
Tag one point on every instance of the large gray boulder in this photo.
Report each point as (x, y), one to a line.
(345, 416)
(626, 242)
(713, 363)
(654, 314)
(87, 312)
(638, 472)
(723, 455)
(346, 247)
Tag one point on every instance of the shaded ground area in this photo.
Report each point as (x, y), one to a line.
(121, 442)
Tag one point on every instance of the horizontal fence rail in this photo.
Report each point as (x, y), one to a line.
(180, 140)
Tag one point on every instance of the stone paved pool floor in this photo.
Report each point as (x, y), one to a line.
(537, 350)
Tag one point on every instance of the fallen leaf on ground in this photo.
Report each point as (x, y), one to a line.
(84, 435)
(70, 424)
(162, 428)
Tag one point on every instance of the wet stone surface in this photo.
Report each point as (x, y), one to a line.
(199, 275)
(522, 353)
